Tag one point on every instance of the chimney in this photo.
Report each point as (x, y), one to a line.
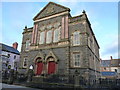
(111, 57)
(25, 28)
(15, 45)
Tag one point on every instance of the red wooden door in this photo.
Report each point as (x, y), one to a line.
(51, 67)
(39, 68)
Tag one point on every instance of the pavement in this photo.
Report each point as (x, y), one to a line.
(4, 86)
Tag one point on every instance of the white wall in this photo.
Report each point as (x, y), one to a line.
(113, 69)
(11, 58)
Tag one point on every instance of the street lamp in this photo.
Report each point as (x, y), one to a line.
(31, 67)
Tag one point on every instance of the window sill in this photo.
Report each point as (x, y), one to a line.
(76, 45)
(27, 50)
(74, 67)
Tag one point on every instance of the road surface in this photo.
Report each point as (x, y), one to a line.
(15, 87)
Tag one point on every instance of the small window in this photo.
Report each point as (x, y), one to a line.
(9, 66)
(27, 44)
(76, 59)
(25, 63)
(15, 57)
(104, 68)
(8, 55)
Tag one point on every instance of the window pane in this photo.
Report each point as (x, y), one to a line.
(42, 37)
(76, 58)
(49, 26)
(56, 35)
(49, 37)
(14, 57)
(25, 62)
(27, 44)
(76, 38)
(76, 64)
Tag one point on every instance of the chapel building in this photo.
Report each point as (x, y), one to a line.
(60, 44)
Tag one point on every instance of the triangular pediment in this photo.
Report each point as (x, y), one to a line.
(50, 9)
(51, 54)
(41, 55)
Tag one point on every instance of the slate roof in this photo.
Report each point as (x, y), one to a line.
(105, 63)
(7, 48)
(115, 63)
(108, 73)
(110, 63)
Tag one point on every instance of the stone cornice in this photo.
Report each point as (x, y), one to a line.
(48, 46)
(55, 15)
(26, 32)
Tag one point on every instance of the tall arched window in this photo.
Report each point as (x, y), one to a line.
(56, 35)
(42, 37)
(76, 38)
(27, 45)
(49, 36)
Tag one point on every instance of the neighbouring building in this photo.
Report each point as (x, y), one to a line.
(110, 68)
(60, 44)
(10, 56)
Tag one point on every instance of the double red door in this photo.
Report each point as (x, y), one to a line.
(51, 67)
(39, 68)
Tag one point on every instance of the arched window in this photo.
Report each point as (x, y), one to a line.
(76, 38)
(27, 44)
(42, 37)
(39, 66)
(49, 36)
(56, 35)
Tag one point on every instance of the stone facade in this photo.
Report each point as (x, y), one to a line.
(73, 47)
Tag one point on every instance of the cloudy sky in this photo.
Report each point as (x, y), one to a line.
(103, 17)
